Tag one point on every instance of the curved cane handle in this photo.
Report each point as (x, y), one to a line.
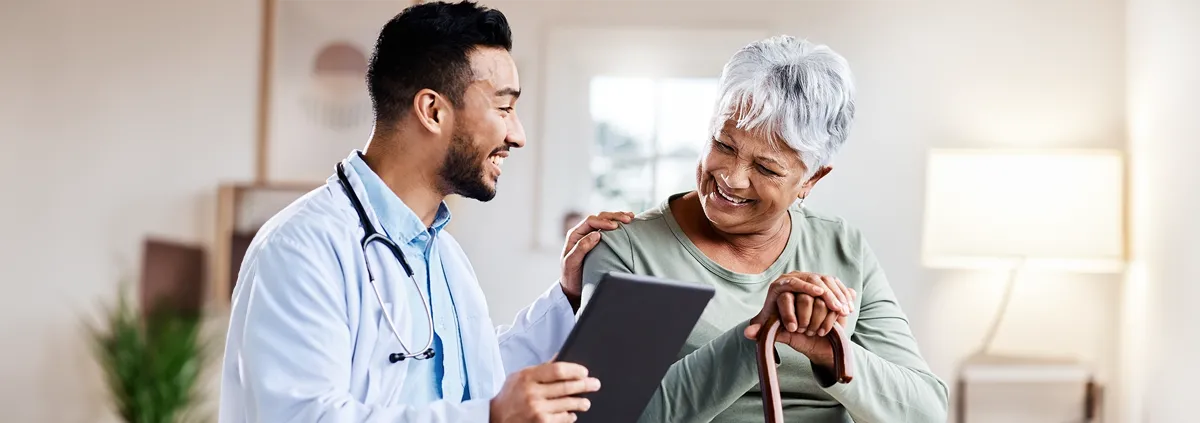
(768, 378)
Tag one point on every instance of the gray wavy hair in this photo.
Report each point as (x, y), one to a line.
(790, 90)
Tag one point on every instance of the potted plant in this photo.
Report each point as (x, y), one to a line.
(152, 361)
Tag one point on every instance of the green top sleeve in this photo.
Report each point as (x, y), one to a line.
(892, 382)
(689, 393)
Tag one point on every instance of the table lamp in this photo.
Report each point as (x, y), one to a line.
(1012, 209)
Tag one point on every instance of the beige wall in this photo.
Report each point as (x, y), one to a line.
(117, 120)
(103, 102)
(1162, 335)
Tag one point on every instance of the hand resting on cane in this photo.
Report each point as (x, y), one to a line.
(807, 306)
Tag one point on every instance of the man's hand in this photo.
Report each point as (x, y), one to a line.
(543, 393)
(582, 238)
(803, 303)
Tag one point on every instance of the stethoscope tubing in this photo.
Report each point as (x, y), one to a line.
(371, 234)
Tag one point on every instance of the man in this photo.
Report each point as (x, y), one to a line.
(331, 323)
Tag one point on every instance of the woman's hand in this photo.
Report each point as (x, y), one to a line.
(803, 303)
(803, 300)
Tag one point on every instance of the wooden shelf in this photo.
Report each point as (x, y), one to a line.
(242, 208)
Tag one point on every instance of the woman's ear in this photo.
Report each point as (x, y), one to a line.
(430, 109)
(812, 181)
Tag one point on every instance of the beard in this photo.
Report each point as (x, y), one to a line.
(462, 171)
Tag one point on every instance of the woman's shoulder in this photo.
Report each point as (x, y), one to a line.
(647, 227)
(820, 229)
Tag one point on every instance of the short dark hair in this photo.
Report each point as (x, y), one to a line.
(426, 46)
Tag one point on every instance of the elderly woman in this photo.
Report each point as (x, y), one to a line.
(785, 108)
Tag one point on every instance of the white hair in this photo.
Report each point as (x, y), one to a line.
(786, 89)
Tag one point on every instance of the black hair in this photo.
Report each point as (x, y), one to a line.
(427, 46)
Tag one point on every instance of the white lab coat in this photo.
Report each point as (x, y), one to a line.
(307, 341)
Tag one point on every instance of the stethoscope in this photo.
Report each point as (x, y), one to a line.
(373, 235)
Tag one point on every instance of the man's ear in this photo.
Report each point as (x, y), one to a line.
(431, 109)
(812, 181)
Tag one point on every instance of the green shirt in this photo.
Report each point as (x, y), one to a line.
(716, 376)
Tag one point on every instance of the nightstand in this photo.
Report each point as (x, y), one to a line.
(989, 369)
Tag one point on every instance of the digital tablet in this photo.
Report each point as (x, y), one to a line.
(631, 331)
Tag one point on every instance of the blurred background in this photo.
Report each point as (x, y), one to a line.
(1023, 169)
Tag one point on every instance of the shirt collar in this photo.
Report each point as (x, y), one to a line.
(398, 220)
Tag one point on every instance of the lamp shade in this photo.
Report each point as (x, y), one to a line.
(1063, 209)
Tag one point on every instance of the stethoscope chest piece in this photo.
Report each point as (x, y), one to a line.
(425, 355)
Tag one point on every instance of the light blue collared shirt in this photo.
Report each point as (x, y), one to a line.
(404, 228)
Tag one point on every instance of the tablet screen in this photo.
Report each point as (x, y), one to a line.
(628, 335)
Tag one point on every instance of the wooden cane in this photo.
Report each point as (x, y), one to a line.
(768, 378)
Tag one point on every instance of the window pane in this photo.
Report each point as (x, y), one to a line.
(648, 137)
(685, 109)
(674, 176)
(622, 111)
(621, 186)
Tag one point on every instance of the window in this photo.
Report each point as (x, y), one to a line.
(648, 136)
(623, 117)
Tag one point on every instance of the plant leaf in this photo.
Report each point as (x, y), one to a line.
(152, 362)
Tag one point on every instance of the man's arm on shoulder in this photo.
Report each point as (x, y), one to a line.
(295, 353)
(540, 329)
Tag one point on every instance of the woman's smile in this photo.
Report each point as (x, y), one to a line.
(723, 198)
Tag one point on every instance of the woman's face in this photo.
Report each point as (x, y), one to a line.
(746, 185)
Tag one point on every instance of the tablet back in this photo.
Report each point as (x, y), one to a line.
(630, 333)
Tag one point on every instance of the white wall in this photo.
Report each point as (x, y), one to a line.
(117, 120)
(1164, 79)
(105, 97)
